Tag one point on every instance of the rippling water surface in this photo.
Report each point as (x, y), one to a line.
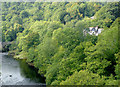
(17, 72)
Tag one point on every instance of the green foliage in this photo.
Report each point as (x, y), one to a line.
(24, 14)
(16, 19)
(84, 77)
(11, 33)
(67, 64)
(117, 66)
(108, 13)
(30, 40)
(50, 36)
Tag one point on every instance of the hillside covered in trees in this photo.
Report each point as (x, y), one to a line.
(49, 35)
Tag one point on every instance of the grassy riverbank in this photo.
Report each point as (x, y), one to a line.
(16, 56)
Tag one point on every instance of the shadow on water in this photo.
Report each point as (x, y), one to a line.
(18, 72)
(30, 72)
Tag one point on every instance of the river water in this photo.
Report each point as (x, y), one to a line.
(17, 72)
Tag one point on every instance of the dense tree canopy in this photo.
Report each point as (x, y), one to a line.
(50, 36)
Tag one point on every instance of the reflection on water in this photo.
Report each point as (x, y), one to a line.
(30, 72)
(17, 72)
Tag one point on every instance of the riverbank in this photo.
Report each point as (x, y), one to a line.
(18, 72)
(13, 53)
(21, 57)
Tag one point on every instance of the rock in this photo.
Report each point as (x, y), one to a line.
(10, 75)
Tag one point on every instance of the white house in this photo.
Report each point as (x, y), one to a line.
(93, 31)
(93, 17)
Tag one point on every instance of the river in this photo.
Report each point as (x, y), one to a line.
(18, 72)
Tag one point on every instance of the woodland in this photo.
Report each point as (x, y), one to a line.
(49, 35)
